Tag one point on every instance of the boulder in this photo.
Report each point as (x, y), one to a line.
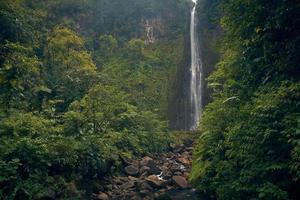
(128, 185)
(154, 181)
(144, 169)
(178, 173)
(180, 181)
(134, 179)
(119, 180)
(153, 168)
(129, 195)
(103, 196)
(145, 160)
(165, 170)
(144, 175)
(146, 193)
(131, 170)
(109, 187)
(145, 186)
(184, 160)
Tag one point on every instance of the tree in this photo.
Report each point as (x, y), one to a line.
(93, 113)
(250, 131)
(70, 68)
(106, 49)
(20, 77)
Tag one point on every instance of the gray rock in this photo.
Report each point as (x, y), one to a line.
(145, 160)
(131, 170)
(144, 169)
(154, 169)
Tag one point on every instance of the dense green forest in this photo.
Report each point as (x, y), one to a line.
(249, 147)
(87, 84)
(80, 87)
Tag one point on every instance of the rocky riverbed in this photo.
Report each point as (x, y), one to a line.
(157, 176)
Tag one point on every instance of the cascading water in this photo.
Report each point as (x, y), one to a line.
(187, 108)
(196, 72)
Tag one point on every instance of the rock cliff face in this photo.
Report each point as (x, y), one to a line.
(179, 107)
(171, 30)
(152, 29)
(168, 29)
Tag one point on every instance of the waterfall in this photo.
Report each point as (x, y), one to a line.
(196, 72)
(188, 107)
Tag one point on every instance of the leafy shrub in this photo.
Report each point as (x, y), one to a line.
(39, 156)
(250, 132)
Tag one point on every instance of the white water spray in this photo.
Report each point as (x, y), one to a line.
(196, 72)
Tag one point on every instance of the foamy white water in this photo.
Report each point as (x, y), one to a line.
(196, 72)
